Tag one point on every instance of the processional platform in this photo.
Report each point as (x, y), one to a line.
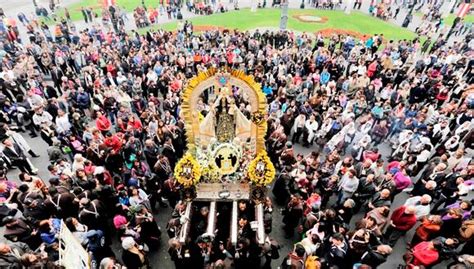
(225, 122)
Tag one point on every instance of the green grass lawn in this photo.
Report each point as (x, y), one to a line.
(75, 9)
(246, 20)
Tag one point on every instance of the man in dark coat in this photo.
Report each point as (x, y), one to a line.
(151, 152)
(56, 75)
(376, 256)
(17, 230)
(169, 152)
(61, 205)
(337, 252)
(292, 215)
(10, 254)
(15, 153)
(365, 190)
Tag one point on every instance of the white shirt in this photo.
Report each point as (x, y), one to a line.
(421, 210)
(348, 184)
(423, 156)
(35, 101)
(121, 79)
(44, 118)
(62, 124)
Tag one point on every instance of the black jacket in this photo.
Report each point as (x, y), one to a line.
(15, 154)
(373, 258)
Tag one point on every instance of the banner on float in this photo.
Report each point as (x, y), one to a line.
(71, 253)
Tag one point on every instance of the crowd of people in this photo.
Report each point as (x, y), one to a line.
(106, 104)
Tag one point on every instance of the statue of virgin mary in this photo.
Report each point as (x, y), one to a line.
(224, 122)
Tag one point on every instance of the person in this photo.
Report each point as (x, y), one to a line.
(376, 256)
(421, 204)
(103, 124)
(295, 259)
(133, 255)
(338, 251)
(347, 186)
(108, 263)
(15, 154)
(10, 254)
(18, 138)
(401, 221)
(429, 229)
(18, 230)
(292, 215)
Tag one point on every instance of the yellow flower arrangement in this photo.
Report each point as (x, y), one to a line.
(187, 171)
(211, 173)
(261, 170)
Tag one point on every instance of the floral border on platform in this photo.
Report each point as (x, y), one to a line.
(265, 177)
(187, 179)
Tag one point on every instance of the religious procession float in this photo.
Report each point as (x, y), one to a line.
(226, 162)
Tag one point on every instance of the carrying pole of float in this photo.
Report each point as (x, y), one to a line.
(260, 227)
(183, 234)
(283, 14)
(233, 227)
(211, 219)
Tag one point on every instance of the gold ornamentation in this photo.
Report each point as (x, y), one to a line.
(191, 94)
(257, 118)
(187, 97)
(261, 170)
(225, 123)
(258, 194)
(187, 171)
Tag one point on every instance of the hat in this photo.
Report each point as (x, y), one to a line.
(289, 144)
(128, 243)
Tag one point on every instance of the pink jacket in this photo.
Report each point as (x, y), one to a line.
(401, 181)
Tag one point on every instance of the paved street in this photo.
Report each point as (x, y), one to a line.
(161, 258)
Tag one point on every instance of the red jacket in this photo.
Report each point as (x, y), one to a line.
(402, 221)
(114, 143)
(372, 69)
(136, 125)
(103, 123)
(425, 254)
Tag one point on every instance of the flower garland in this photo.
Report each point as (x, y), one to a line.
(211, 173)
(187, 171)
(261, 170)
